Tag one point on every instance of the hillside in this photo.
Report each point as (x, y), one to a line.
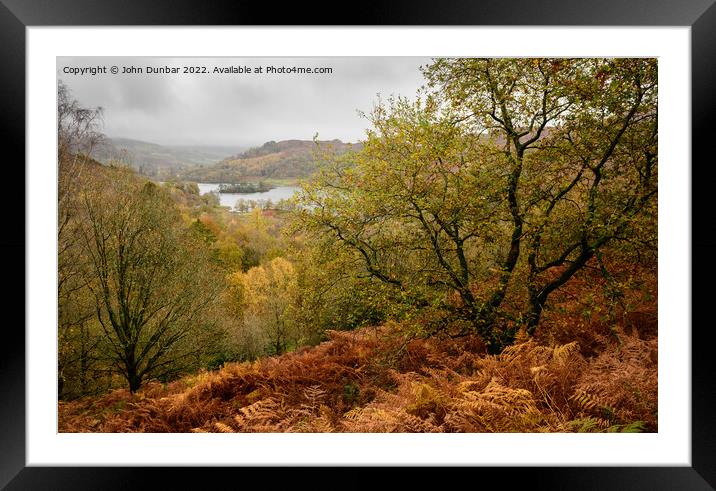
(386, 379)
(288, 159)
(487, 262)
(156, 160)
(346, 384)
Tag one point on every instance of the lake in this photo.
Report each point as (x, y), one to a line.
(229, 199)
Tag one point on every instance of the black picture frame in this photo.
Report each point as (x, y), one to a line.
(700, 15)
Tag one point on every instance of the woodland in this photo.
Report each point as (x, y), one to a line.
(484, 260)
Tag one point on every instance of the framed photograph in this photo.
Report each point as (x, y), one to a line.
(397, 240)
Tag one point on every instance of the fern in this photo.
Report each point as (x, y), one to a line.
(584, 400)
(587, 425)
(223, 428)
(314, 394)
(561, 353)
(435, 384)
(259, 414)
(633, 427)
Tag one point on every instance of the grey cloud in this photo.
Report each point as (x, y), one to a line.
(234, 109)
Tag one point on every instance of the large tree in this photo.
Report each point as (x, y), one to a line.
(578, 139)
(151, 278)
(530, 165)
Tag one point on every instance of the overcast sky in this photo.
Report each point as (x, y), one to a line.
(238, 109)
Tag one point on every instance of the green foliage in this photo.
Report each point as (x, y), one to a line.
(351, 393)
(461, 213)
(146, 275)
(244, 187)
(597, 425)
(203, 232)
(510, 165)
(634, 427)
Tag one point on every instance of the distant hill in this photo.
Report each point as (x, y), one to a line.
(154, 160)
(288, 159)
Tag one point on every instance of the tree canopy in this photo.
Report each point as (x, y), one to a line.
(500, 166)
(150, 276)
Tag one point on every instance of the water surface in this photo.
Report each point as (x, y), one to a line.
(229, 199)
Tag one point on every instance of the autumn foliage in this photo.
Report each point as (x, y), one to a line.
(384, 379)
(486, 261)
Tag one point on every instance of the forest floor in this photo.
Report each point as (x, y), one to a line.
(579, 373)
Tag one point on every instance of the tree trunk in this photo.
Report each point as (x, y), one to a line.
(486, 326)
(135, 383)
(534, 314)
(538, 300)
(133, 377)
